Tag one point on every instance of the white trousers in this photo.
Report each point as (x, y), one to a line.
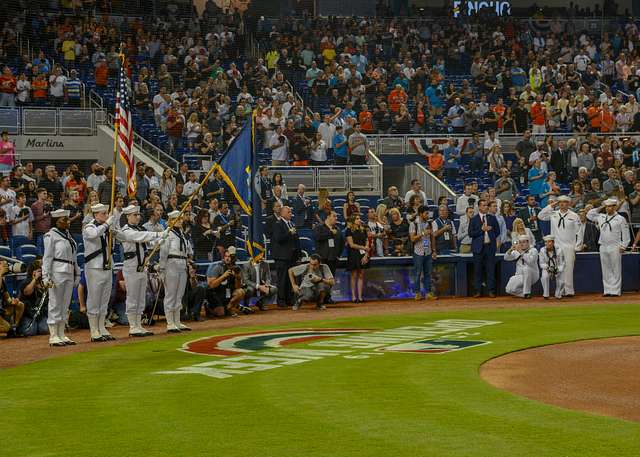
(520, 284)
(99, 284)
(611, 263)
(175, 283)
(136, 284)
(545, 279)
(567, 274)
(60, 298)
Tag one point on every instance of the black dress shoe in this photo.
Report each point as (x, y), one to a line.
(57, 345)
(527, 296)
(477, 295)
(99, 339)
(137, 335)
(569, 295)
(185, 329)
(109, 337)
(492, 295)
(173, 330)
(147, 333)
(546, 298)
(606, 295)
(329, 301)
(69, 343)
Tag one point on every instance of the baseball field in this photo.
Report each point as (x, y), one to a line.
(384, 384)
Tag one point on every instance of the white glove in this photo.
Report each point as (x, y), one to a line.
(111, 220)
(164, 234)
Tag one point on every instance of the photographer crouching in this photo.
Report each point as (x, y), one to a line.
(226, 286)
(316, 283)
(34, 295)
(11, 309)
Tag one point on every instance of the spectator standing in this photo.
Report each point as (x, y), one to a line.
(536, 178)
(72, 90)
(329, 244)
(414, 190)
(484, 231)
(7, 152)
(444, 232)
(463, 231)
(424, 253)
(357, 256)
(529, 215)
(452, 160)
(7, 88)
(358, 146)
(286, 251)
(41, 210)
(340, 147)
(56, 87)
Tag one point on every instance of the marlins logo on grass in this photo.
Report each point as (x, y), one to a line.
(435, 346)
(225, 345)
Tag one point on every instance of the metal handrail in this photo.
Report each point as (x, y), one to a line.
(432, 185)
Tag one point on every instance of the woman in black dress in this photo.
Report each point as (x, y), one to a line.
(357, 257)
(202, 237)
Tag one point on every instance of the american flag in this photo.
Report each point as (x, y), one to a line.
(125, 129)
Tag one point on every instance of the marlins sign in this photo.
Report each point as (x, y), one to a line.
(259, 351)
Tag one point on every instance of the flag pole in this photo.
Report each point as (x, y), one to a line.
(116, 131)
(182, 210)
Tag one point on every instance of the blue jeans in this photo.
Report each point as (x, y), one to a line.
(38, 328)
(422, 266)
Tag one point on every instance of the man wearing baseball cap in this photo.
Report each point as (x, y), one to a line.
(60, 273)
(614, 239)
(98, 270)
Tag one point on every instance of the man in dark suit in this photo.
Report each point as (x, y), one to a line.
(558, 161)
(329, 244)
(183, 173)
(270, 220)
(529, 214)
(484, 230)
(285, 249)
(302, 208)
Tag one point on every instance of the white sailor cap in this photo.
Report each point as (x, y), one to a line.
(60, 213)
(131, 209)
(549, 238)
(610, 202)
(564, 198)
(231, 250)
(173, 214)
(99, 207)
(523, 238)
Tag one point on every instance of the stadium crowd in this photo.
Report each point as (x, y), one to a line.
(357, 77)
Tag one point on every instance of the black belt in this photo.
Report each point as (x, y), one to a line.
(130, 255)
(63, 261)
(93, 255)
(182, 257)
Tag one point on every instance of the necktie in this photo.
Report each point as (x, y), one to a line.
(561, 220)
(607, 221)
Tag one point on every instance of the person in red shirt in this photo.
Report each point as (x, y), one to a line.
(39, 89)
(435, 159)
(396, 98)
(607, 122)
(76, 183)
(500, 109)
(595, 119)
(365, 118)
(101, 73)
(538, 117)
(7, 88)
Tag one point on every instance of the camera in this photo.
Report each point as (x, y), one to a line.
(47, 207)
(17, 267)
(472, 201)
(552, 270)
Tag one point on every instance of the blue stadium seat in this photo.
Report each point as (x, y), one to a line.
(27, 258)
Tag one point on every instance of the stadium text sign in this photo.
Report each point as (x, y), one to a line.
(467, 8)
(246, 353)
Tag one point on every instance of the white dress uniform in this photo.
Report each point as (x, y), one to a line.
(547, 260)
(527, 273)
(59, 267)
(566, 230)
(134, 239)
(98, 273)
(173, 258)
(614, 235)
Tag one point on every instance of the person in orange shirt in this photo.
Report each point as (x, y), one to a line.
(396, 98)
(365, 118)
(607, 122)
(593, 113)
(435, 159)
(39, 90)
(101, 73)
(500, 109)
(538, 117)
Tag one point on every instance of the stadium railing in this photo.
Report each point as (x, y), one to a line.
(431, 184)
(338, 178)
(49, 121)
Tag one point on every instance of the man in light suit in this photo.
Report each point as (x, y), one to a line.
(257, 279)
(484, 230)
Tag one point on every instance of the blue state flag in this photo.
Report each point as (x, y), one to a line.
(235, 167)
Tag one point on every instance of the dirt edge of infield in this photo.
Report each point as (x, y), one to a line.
(592, 375)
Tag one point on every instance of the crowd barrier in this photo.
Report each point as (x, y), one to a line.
(49, 121)
(391, 278)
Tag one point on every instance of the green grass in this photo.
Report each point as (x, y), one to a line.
(109, 403)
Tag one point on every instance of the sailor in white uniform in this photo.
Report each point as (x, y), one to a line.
(614, 239)
(134, 238)
(566, 230)
(60, 273)
(98, 270)
(552, 264)
(174, 253)
(527, 273)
